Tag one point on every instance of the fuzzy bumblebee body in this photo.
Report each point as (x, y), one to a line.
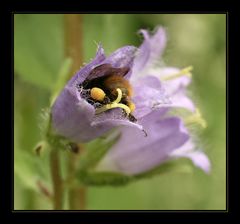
(105, 82)
(113, 82)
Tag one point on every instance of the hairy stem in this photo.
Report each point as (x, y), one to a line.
(57, 180)
(73, 49)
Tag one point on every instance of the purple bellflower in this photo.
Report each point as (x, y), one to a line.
(140, 110)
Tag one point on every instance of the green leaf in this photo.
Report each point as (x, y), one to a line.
(24, 170)
(96, 149)
(29, 169)
(25, 167)
(38, 48)
(92, 178)
(103, 178)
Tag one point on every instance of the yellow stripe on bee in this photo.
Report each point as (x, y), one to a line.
(97, 94)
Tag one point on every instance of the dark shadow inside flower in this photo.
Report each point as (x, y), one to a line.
(101, 90)
(106, 88)
(108, 79)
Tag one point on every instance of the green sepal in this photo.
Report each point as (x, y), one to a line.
(103, 178)
(96, 150)
(53, 140)
(58, 142)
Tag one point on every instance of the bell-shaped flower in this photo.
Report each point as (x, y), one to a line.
(133, 91)
(74, 113)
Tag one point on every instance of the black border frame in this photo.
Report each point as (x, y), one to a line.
(164, 215)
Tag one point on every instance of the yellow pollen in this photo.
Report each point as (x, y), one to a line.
(196, 118)
(97, 94)
(114, 104)
(131, 106)
(183, 72)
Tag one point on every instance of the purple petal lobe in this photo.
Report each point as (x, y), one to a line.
(149, 95)
(175, 88)
(198, 157)
(150, 50)
(172, 85)
(181, 100)
(113, 118)
(134, 153)
(123, 57)
(82, 74)
(71, 115)
(105, 70)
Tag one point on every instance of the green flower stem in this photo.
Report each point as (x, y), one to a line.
(77, 203)
(73, 49)
(73, 40)
(57, 180)
(77, 194)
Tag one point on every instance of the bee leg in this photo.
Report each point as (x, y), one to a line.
(132, 118)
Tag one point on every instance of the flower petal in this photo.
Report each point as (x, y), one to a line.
(181, 100)
(149, 95)
(175, 88)
(172, 85)
(113, 118)
(75, 119)
(122, 57)
(71, 115)
(82, 74)
(134, 153)
(198, 157)
(150, 50)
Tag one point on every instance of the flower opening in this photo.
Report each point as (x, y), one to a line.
(108, 90)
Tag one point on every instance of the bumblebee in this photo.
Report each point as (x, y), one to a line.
(107, 84)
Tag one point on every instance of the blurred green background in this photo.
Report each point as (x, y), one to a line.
(193, 39)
